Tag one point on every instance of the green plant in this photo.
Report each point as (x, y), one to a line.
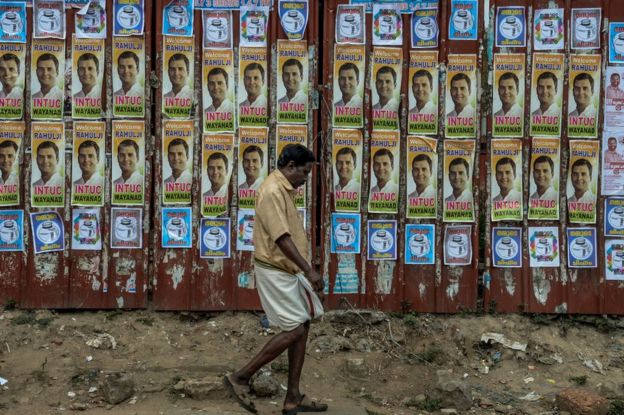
(10, 304)
(617, 407)
(430, 354)
(579, 380)
(430, 404)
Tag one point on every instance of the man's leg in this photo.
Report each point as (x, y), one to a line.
(296, 356)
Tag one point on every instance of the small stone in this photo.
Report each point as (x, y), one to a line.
(71, 394)
(356, 367)
(452, 392)
(208, 388)
(78, 406)
(582, 402)
(448, 411)
(363, 346)
(265, 385)
(117, 387)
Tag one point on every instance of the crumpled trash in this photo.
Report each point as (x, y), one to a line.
(592, 364)
(500, 338)
(3, 381)
(531, 396)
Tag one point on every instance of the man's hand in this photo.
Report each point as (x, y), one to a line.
(315, 279)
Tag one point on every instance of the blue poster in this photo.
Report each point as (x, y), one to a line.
(425, 29)
(176, 229)
(11, 230)
(178, 18)
(510, 27)
(214, 240)
(12, 22)
(294, 18)
(616, 42)
(507, 247)
(345, 236)
(129, 17)
(582, 248)
(420, 244)
(464, 20)
(47, 231)
(614, 217)
(382, 241)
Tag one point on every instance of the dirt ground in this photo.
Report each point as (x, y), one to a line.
(359, 362)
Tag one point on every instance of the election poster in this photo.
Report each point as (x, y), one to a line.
(508, 95)
(582, 188)
(178, 18)
(47, 164)
(385, 86)
(253, 26)
(458, 166)
(384, 163)
(582, 248)
(129, 17)
(420, 244)
(506, 180)
(178, 76)
(616, 42)
(425, 30)
(346, 233)
(48, 232)
(217, 26)
(215, 238)
(245, 219)
(293, 16)
(47, 79)
(586, 28)
(458, 245)
(86, 230)
(422, 183)
(127, 228)
(218, 90)
(614, 216)
(216, 171)
(350, 24)
(176, 227)
(461, 96)
(177, 167)
(11, 230)
(347, 169)
(544, 246)
(128, 171)
(546, 94)
(382, 240)
(511, 27)
(12, 63)
(387, 24)
(292, 84)
(423, 99)
(88, 163)
(614, 259)
(253, 160)
(292, 134)
(90, 20)
(545, 179)
(507, 247)
(11, 139)
(584, 95)
(252, 90)
(129, 76)
(49, 19)
(464, 20)
(15, 27)
(548, 29)
(87, 77)
(349, 64)
(613, 106)
(612, 162)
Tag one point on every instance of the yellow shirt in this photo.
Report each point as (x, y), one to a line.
(276, 215)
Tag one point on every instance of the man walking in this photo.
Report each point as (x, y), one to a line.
(285, 279)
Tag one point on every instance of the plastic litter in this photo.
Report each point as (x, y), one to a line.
(500, 338)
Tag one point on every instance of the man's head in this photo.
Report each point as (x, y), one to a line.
(508, 87)
(505, 174)
(88, 157)
(252, 162)
(581, 173)
(128, 156)
(9, 70)
(383, 164)
(543, 169)
(583, 89)
(612, 143)
(88, 70)
(346, 160)
(178, 69)
(546, 88)
(422, 85)
(460, 90)
(348, 79)
(385, 82)
(217, 169)
(459, 174)
(217, 84)
(47, 158)
(422, 166)
(47, 70)
(615, 80)
(292, 75)
(128, 67)
(253, 79)
(296, 162)
(8, 156)
(177, 155)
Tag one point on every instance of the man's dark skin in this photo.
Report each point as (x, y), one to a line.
(294, 340)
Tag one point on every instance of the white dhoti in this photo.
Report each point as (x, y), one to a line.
(288, 300)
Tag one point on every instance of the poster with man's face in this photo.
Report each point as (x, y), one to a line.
(177, 161)
(461, 96)
(508, 95)
(47, 79)
(422, 177)
(582, 185)
(348, 86)
(216, 170)
(544, 181)
(252, 164)
(583, 95)
(458, 167)
(423, 92)
(88, 163)
(347, 169)
(292, 134)
(386, 88)
(612, 176)
(87, 77)
(12, 80)
(385, 159)
(129, 76)
(253, 109)
(218, 90)
(128, 172)
(47, 164)
(506, 180)
(292, 81)
(546, 94)
(178, 76)
(11, 139)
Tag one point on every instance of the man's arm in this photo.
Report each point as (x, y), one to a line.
(287, 246)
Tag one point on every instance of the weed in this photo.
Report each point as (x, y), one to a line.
(113, 314)
(146, 320)
(579, 380)
(617, 407)
(371, 412)
(10, 304)
(430, 404)
(410, 320)
(29, 318)
(430, 354)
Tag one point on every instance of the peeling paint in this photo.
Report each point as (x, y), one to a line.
(573, 274)
(422, 290)
(95, 283)
(46, 266)
(246, 280)
(125, 265)
(452, 289)
(510, 281)
(541, 285)
(562, 308)
(120, 302)
(177, 275)
(131, 283)
(385, 277)
(169, 254)
(215, 266)
(89, 264)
